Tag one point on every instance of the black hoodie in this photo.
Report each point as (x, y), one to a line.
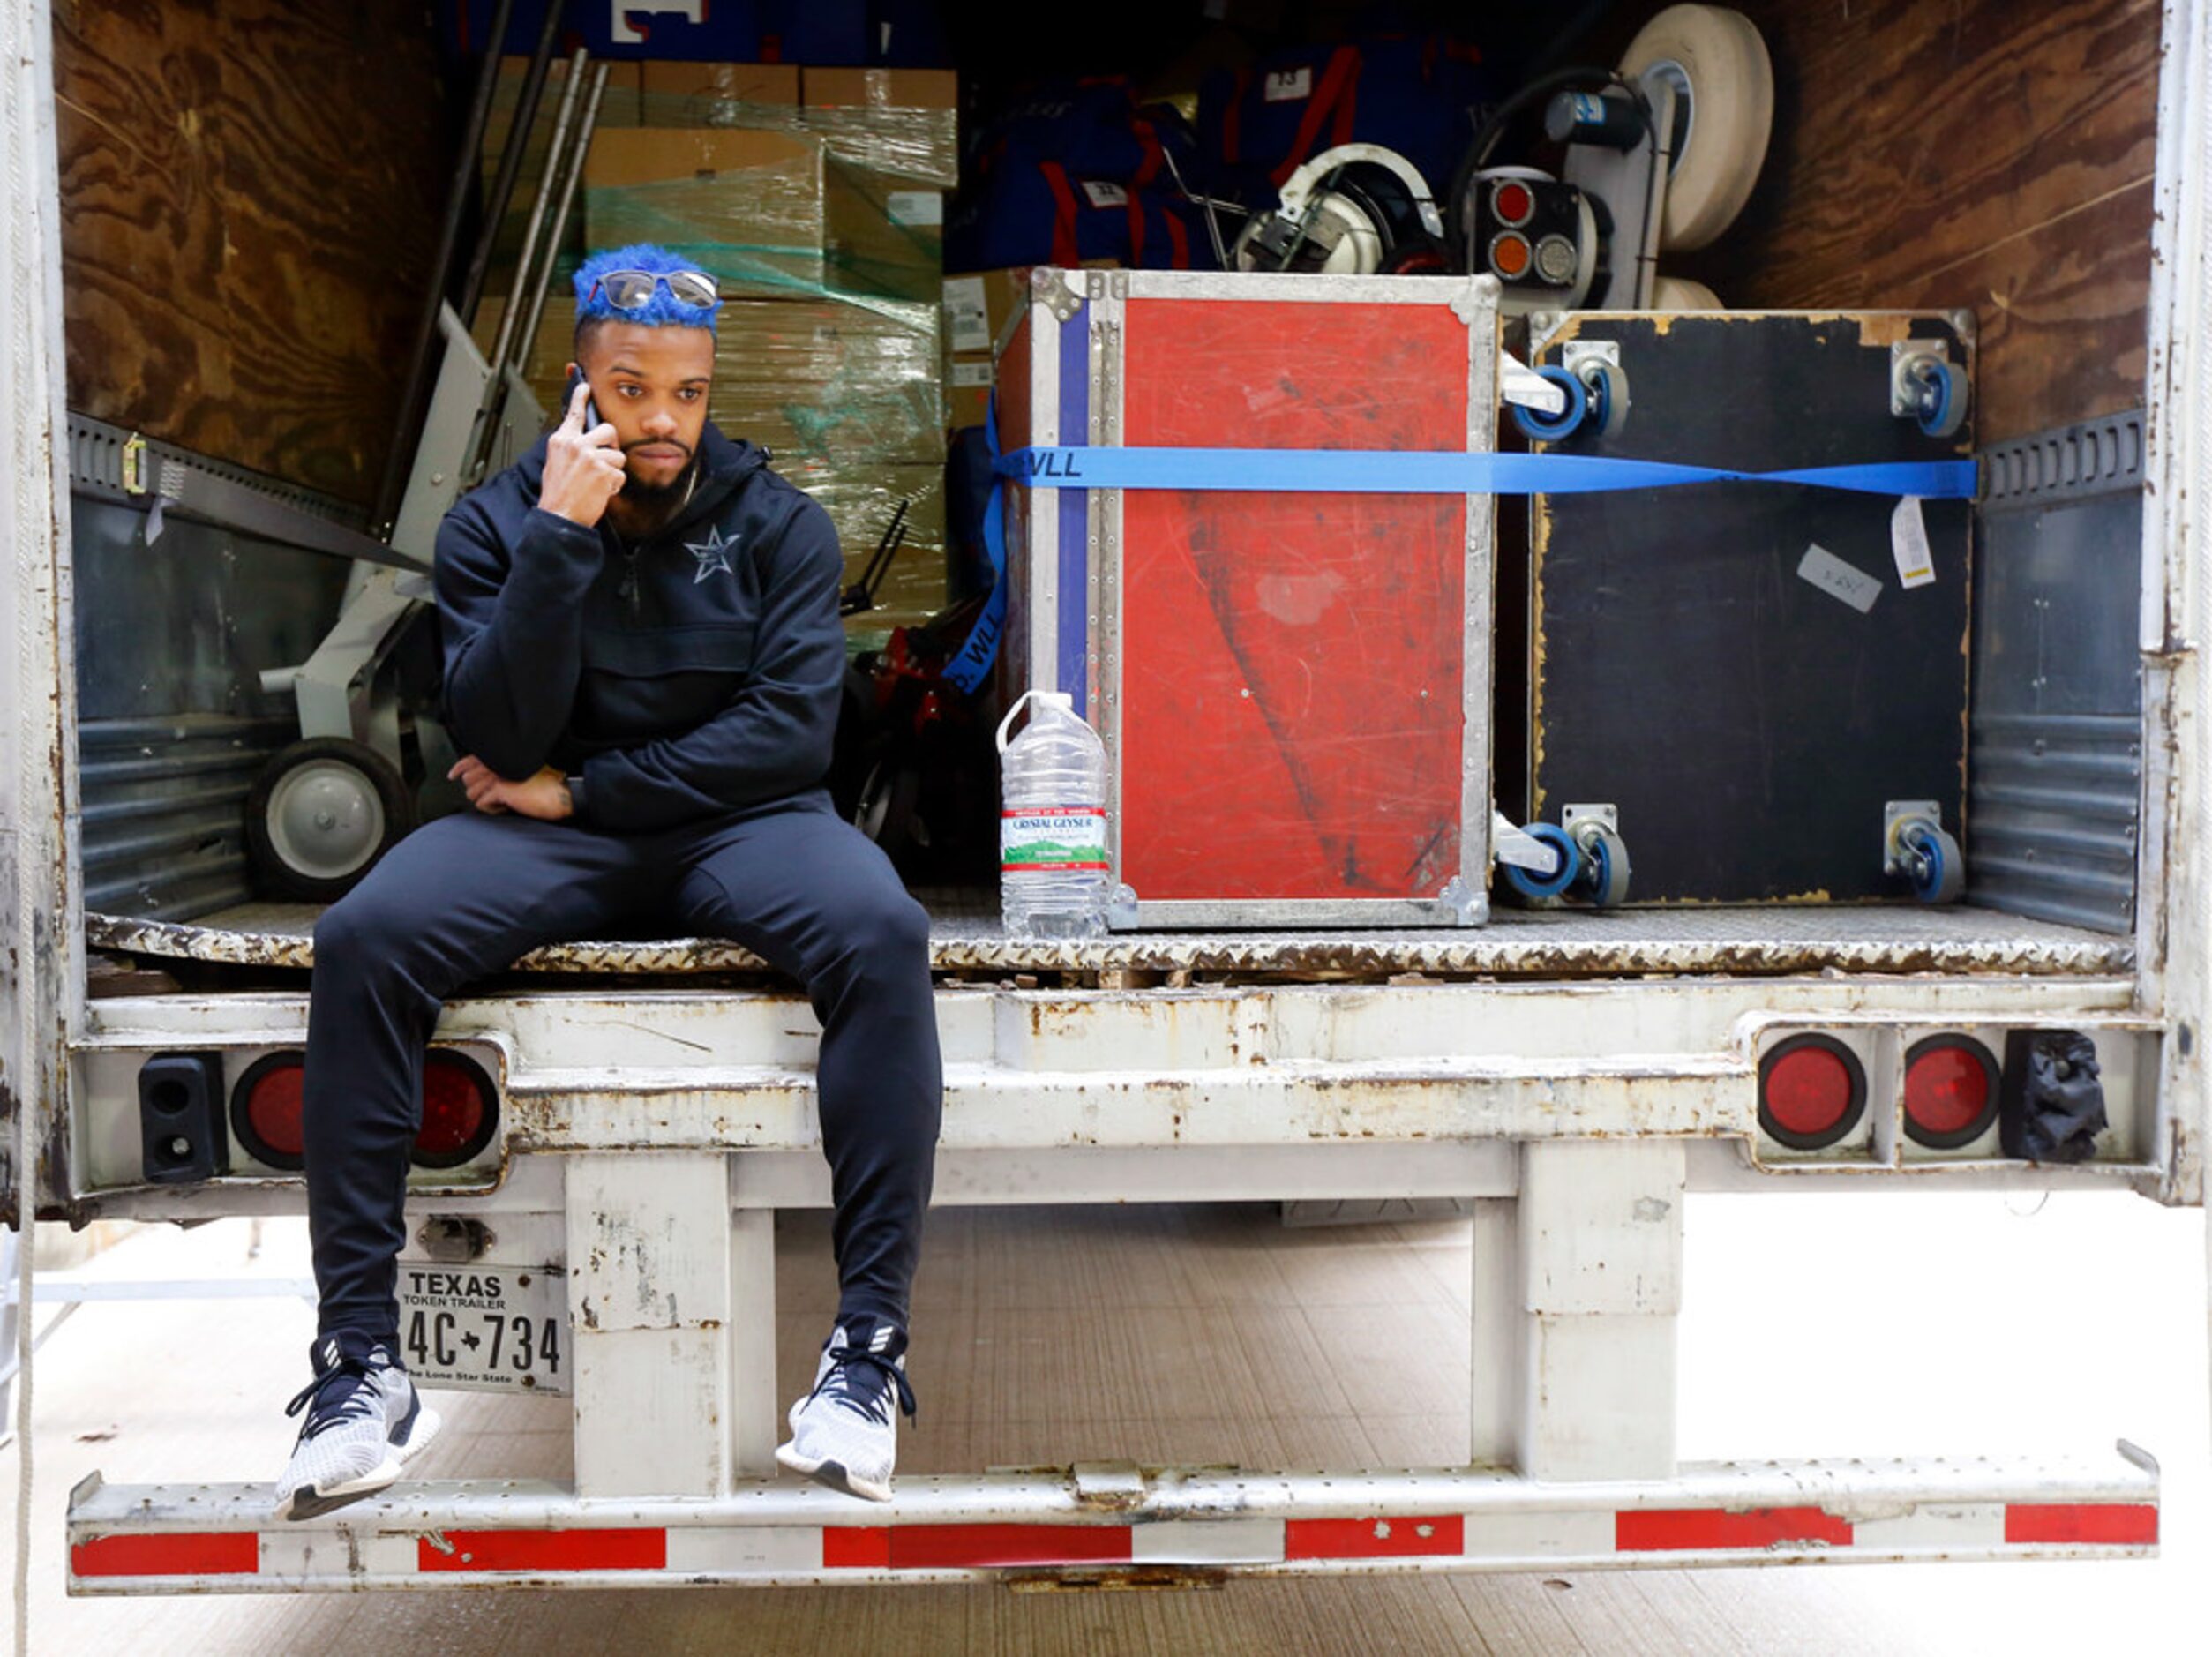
(690, 676)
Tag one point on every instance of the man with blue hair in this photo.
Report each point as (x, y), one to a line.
(643, 661)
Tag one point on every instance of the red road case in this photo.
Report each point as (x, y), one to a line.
(1294, 688)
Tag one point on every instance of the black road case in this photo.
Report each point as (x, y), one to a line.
(1754, 678)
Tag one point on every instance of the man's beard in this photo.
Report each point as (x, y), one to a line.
(658, 497)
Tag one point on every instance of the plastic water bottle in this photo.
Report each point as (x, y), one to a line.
(1053, 874)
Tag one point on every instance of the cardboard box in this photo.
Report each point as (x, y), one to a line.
(978, 307)
(823, 379)
(881, 88)
(766, 84)
(812, 379)
(967, 390)
(903, 123)
(861, 500)
(678, 94)
(769, 213)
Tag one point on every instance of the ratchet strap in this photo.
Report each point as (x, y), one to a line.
(1382, 472)
(1395, 472)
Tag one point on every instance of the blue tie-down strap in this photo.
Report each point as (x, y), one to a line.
(1393, 472)
(972, 665)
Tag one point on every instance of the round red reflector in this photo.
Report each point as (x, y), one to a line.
(1512, 202)
(459, 1111)
(1950, 1091)
(1510, 254)
(1811, 1091)
(265, 1110)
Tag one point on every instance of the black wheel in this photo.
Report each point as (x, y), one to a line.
(322, 813)
(885, 811)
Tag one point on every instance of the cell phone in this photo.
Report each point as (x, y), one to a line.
(568, 392)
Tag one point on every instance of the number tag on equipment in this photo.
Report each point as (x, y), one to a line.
(489, 1327)
(1908, 544)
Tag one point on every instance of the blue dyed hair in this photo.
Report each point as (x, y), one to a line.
(662, 310)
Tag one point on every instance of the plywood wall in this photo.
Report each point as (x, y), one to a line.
(250, 201)
(1994, 155)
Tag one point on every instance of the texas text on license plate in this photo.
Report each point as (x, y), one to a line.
(485, 1325)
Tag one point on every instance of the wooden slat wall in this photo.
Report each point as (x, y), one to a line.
(250, 194)
(1986, 154)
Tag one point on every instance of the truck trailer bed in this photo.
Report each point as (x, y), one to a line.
(966, 939)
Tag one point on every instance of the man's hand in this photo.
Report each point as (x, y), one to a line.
(583, 470)
(544, 797)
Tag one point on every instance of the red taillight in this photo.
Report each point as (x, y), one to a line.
(1950, 1091)
(1811, 1091)
(265, 1110)
(1512, 203)
(460, 1109)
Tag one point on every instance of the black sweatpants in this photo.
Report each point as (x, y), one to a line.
(465, 895)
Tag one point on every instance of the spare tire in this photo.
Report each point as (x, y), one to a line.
(1681, 293)
(1724, 112)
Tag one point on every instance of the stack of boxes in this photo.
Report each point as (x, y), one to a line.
(815, 197)
(978, 310)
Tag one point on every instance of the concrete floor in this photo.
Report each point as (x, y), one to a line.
(1862, 1324)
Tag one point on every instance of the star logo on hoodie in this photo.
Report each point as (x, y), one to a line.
(713, 554)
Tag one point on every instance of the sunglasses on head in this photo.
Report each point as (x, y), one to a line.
(633, 289)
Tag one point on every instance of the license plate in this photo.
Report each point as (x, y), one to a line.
(484, 1326)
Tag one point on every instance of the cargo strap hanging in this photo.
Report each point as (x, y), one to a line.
(972, 662)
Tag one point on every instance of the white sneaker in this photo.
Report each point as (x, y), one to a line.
(364, 1421)
(843, 1433)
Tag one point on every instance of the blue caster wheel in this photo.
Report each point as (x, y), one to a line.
(1608, 398)
(1604, 865)
(1942, 399)
(1548, 428)
(1530, 882)
(1932, 864)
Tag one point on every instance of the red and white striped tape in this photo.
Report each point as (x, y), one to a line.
(1596, 1536)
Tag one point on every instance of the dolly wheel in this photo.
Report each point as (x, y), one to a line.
(1723, 84)
(1942, 399)
(1933, 865)
(1604, 865)
(1608, 384)
(1531, 882)
(322, 813)
(1549, 428)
